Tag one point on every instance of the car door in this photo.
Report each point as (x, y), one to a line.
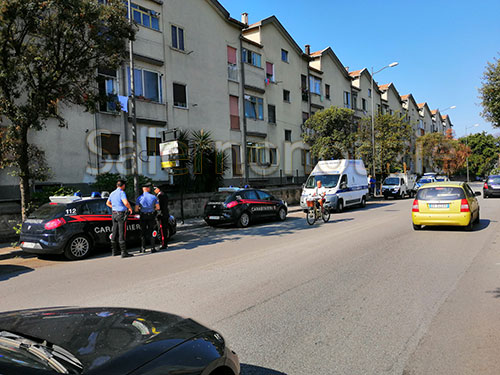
(269, 204)
(98, 220)
(471, 197)
(253, 203)
(344, 191)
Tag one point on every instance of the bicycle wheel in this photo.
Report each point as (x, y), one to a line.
(325, 215)
(311, 216)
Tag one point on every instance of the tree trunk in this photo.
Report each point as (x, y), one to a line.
(24, 172)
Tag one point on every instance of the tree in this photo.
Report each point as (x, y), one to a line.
(330, 133)
(490, 93)
(48, 56)
(209, 164)
(443, 152)
(484, 152)
(392, 141)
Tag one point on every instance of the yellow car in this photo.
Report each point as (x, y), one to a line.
(445, 203)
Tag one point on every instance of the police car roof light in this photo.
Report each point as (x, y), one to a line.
(229, 189)
(65, 198)
(95, 194)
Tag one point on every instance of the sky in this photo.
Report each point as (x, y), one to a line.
(442, 46)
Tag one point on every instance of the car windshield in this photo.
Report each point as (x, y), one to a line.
(425, 180)
(327, 180)
(221, 197)
(48, 211)
(494, 180)
(444, 193)
(391, 181)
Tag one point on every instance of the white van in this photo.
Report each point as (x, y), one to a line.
(399, 185)
(345, 182)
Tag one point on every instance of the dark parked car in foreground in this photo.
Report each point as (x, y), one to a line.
(74, 226)
(110, 341)
(491, 187)
(243, 206)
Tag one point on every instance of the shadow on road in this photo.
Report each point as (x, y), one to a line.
(496, 292)
(257, 370)
(16, 254)
(483, 224)
(8, 271)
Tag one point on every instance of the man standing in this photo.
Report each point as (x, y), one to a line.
(119, 204)
(147, 203)
(163, 216)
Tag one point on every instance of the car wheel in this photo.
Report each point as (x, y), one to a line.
(78, 247)
(417, 227)
(485, 195)
(340, 206)
(282, 214)
(244, 220)
(363, 202)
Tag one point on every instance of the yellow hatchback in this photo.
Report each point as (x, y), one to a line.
(445, 203)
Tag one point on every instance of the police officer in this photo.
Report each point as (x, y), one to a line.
(147, 203)
(163, 215)
(119, 204)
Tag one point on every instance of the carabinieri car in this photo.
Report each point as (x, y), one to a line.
(74, 226)
(110, 341)
(242, 206)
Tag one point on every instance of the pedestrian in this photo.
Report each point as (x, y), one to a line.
(163, 216)
(120, 206)
(369, 183)
(147, 204)
(373, 185)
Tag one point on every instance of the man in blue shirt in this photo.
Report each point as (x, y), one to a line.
(119, 204)
(147, 204)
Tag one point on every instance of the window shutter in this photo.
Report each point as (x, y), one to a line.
(269, 68)
(231, 55)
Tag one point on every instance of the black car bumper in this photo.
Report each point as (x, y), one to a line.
(491, 192)
(42, 244)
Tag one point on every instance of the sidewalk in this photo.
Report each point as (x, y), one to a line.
(9, 252)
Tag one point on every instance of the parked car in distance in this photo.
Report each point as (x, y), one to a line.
(491, 187)
(445, 203)
(399, 185)
(424, 180)
(242, 206)
(104, 341)
(75, 226)
(442, 178)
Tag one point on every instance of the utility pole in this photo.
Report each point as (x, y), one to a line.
(132, 104)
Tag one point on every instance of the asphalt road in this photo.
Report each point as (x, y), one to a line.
(362, 294)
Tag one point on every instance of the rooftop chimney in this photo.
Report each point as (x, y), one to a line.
(244, 18)
(346, 68)
(308, 49)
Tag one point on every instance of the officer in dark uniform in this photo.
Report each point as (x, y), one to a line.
(163, 216)
(119, 205)
(147, 204)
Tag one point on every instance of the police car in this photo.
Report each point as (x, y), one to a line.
(243, 205)
(74, 226)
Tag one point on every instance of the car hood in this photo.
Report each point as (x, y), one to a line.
(106, 340)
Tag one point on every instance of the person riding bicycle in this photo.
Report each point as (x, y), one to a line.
(319, 192)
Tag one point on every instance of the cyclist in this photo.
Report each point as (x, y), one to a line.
(319, 192)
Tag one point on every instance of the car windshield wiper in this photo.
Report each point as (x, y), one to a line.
(49, 353)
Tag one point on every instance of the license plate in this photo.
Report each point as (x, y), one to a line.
(439, 205)
(213, 217)
(29, 245)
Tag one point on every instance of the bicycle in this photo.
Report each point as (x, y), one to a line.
(315, 213)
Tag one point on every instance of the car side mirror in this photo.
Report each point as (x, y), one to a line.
(477, 193)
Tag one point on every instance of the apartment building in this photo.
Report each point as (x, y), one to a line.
(391, 100)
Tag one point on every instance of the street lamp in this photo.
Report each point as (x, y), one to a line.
(391, 65)
(444, 110)
(466, 143)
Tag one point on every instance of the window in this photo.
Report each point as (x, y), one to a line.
(106, 81)
(147, 85)
(177, 38)
(303, 86)
(264, 195)
(379, 109)
(236, 160)
(232, 67)
(369, 93)
(315, 85)
(251, 57)
(288, 135)
(284, 55)
(286, 96)
(234, 112)
(271, 114)
(391, 112)
(256, 153)
(95, 208)
(180, 95)
(110, 146)
(270, 71)
(273, 156)
(153, 146)
(363, 104)
(305, 117)
(327, 91)
(145, 17)
(250, 194)
(254, 107)
(354, 101)
(347, 99)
